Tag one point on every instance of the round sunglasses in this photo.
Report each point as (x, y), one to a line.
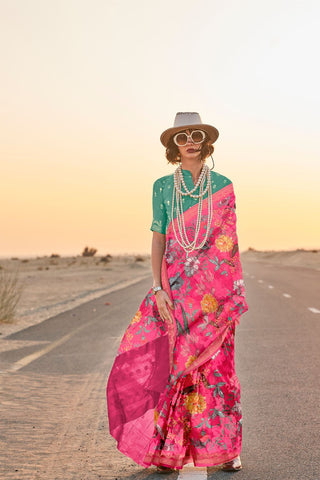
(196, 136)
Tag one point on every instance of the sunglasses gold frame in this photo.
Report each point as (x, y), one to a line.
(189, 136)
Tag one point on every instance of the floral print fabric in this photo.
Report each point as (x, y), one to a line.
(173, 394)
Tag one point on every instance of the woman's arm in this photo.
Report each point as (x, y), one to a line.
(157, 251)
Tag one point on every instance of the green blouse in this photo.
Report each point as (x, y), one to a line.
(162, 197)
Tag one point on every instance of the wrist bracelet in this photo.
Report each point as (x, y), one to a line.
(156, 289)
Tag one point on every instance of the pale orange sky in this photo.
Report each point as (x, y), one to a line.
(87, 87)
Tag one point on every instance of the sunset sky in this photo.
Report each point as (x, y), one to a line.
(88, 86)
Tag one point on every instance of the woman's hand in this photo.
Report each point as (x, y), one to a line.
(163, 301)
(164, 304)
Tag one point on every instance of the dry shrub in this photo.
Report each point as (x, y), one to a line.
(106, 258)
(54, 255)
(10, 293)
(139, 258)
(89, 252)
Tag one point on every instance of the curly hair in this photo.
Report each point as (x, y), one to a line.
(173, 154)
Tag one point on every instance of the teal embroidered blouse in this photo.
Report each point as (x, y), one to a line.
(162, 197)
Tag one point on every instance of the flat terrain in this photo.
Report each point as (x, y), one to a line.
(51, 285)
(53, 408)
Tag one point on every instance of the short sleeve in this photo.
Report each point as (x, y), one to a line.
(159, 222)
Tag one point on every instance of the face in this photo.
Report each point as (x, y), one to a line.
(191, 150)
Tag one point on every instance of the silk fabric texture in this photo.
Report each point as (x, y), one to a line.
(173, 394)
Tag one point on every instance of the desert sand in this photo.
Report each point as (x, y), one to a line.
(294, 258)
(53, 285)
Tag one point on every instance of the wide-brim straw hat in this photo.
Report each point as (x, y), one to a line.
(185, 120)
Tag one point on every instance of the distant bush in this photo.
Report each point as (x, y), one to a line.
(10, 293)
(139, 258)
(106, 258)
(54, 255)
(89, 252)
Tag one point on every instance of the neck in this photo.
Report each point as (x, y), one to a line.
(194, 166)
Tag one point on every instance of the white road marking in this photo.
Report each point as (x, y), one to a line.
(124, 284)
(313, 310)
(270, 286)
(34, 356)
(252, 276)
(260, 281)
(192, 473)
(287, 295)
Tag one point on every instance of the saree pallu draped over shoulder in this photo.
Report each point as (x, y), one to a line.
(173, 394)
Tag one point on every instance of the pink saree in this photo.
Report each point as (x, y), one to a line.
(173, 394)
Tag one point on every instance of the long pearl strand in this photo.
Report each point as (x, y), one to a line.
(184, 241)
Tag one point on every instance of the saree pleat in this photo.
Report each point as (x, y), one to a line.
(173, 394)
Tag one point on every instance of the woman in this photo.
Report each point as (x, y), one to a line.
(173, 394)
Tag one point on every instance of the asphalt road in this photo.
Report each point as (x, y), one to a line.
(53, 408)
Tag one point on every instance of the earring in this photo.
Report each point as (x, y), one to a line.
(212, 163)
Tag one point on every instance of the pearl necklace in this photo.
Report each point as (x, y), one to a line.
(178, 179)
(184, 242)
